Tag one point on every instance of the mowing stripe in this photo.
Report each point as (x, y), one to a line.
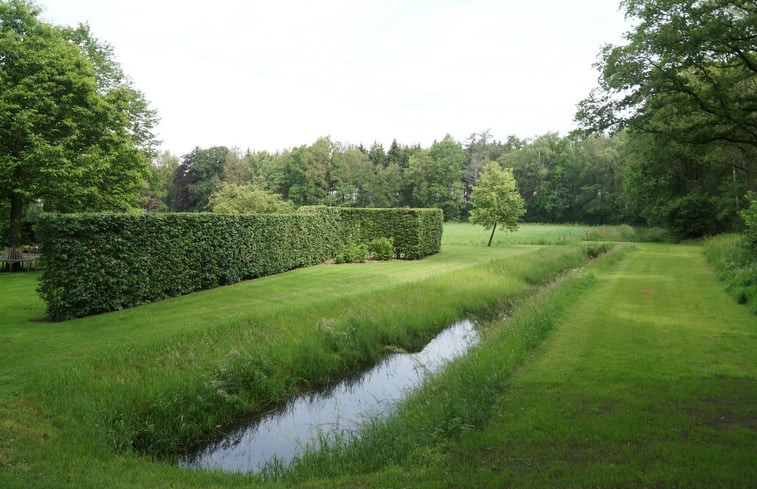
(648, 382)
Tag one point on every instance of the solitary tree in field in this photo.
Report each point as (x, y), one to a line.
(496, 200)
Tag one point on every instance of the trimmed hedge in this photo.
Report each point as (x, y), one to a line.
(94, 263)
(415, 232)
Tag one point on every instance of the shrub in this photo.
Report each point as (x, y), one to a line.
(415, 232)
(381, 248)
(353, 253)
(693, 216)
(749, 215)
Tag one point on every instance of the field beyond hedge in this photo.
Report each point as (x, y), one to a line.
(646, 353)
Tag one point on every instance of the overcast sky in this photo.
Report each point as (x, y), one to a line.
(274, 74)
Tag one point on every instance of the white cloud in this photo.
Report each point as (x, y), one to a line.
(271, 75)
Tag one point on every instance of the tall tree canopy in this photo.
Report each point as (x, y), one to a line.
(74, 133)
(687, 74)
(197, 177)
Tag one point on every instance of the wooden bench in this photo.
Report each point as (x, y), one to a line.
(13, 255)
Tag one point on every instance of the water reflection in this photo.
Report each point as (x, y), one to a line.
(283, 434)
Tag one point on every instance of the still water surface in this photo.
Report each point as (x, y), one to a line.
(283, 434)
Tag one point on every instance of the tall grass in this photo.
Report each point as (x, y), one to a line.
(548, 234)
(736, 265)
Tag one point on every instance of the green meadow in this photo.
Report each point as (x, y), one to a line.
(635, 369)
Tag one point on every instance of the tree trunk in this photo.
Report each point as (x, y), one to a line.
(14, 234)
(492, 236)
(17, 209)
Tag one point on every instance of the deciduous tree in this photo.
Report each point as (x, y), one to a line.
(74, 133)
(687, 73)
(496, 200)
(231, 198)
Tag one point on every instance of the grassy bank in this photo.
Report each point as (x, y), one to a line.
(648, 380)
(81, 402)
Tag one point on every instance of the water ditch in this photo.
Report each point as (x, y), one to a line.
(283, 434)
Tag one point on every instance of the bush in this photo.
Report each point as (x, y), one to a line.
(381, 248)
(749, 215)
(353, 253)
(693, 216)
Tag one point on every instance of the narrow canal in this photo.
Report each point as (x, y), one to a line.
(284, 434)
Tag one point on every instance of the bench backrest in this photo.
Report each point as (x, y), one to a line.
(11, 253)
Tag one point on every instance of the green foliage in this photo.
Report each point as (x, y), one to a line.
(75, 133)
(572, 179)
(692, 216)
(352, 253)
(435, 176)
(195, 179)
(381, 248)
(159, 184)
(231, 198)
(684, 83)
(686, 72)
(415, 232)
(496, 200)
(735, 262)
(680, 188)
(103, 262)
(749, 215)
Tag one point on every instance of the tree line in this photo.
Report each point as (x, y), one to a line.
(594, 179)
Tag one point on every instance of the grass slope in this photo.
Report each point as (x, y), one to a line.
(649, 380)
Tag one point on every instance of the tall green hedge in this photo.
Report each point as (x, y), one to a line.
(95, 263)
(416, 232)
